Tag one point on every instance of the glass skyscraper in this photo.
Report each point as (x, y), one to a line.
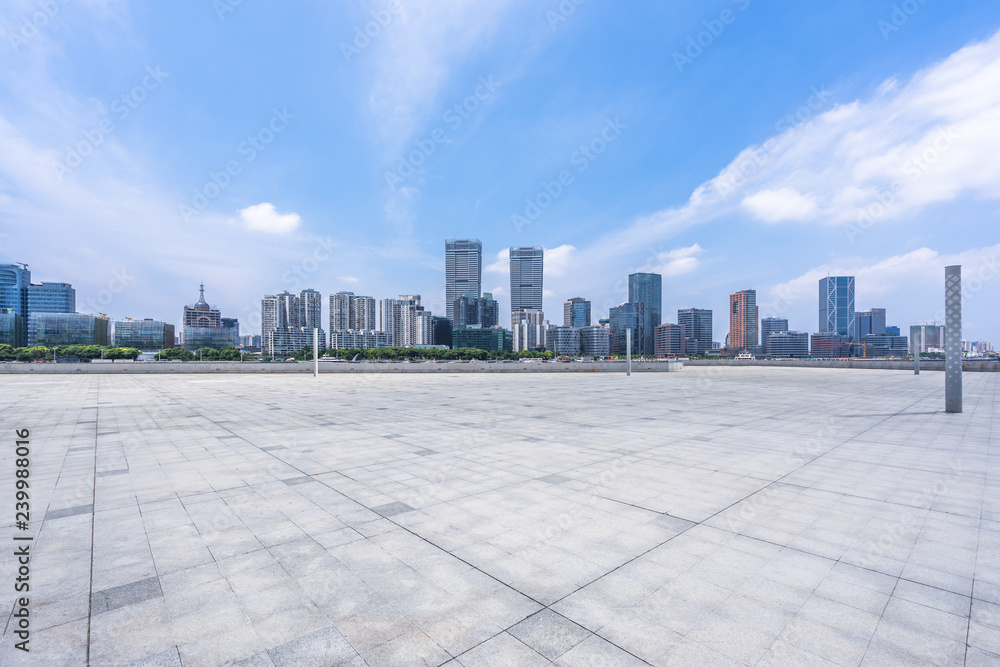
(526, 278)
(463, 270)
(646, 288)
(698, 329)
(836, 307)
(576, 312)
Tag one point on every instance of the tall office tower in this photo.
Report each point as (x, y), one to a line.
(836, 307)
(470, 311)
(576, 312)
(310, 309)
(14, 282)
(698, 329)
(870, 322)
(743, 320)
(624, 318)
(529, 328)
(204, 326)
(526, 278)
(463, 270)
(646, 288)
(51, 298)
(770, 325)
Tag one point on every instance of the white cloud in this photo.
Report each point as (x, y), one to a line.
(676, 262)
(780, 205)
(349, 279)
(264, 218)
(558, 260)
(912, 282)
(501, 264)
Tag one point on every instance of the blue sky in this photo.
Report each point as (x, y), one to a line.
(260, 146)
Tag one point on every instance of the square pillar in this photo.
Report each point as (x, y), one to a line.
(953, 338)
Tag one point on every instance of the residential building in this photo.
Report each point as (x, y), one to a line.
(743, 321)
(349, 312)
(359, 339)
(405, 321)
(926, 337)
(647, 289)
(624, 318)
(204, 326)
(669, 340)
(576, 312)
(526, 278)
(595, 340)
(787, 345)
(310, 309)
(278, 311)
(877, 346)
(769, 325)
(528, 329)
(463, 270)
(494, 339)
(825, 345)
(870, 322)
(563, 341)
(55, 329)
(11, 328)
(836, 307)
(470, 310)
(287, 341)
(697, 325)
(147, 335)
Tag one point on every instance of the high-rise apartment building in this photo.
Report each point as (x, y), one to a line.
(646, 288)
(471, 311)
(349, 312)
(463, 270)
(743, 320)
(836, 307)
(870, 322)
(526, 278)
(576, 312)
(529, 328)
(405, 321)
(310, 309)
(697, 323)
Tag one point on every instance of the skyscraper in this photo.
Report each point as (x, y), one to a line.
(526, 278)
(405, 321)
(471, 311)
(836, 307)
(576, 312)
(769, 325)
(529, 328)
(463, 270)
(743, 320)
(352, 313)
(624, 318)
(51, 298)
(204, 326)
(698, 329)
(870, 322)
(646, 288)
(310, 309)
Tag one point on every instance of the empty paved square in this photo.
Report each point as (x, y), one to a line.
(722, 516)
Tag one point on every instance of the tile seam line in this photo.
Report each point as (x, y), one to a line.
(93, 518)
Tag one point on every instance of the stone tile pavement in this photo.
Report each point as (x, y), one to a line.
(721, 516)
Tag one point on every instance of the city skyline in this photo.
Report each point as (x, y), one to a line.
(235, 178)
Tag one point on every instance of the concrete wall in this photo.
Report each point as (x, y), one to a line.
(878, 364)
(333, 367)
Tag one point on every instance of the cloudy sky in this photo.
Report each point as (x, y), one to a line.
(728, 144)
